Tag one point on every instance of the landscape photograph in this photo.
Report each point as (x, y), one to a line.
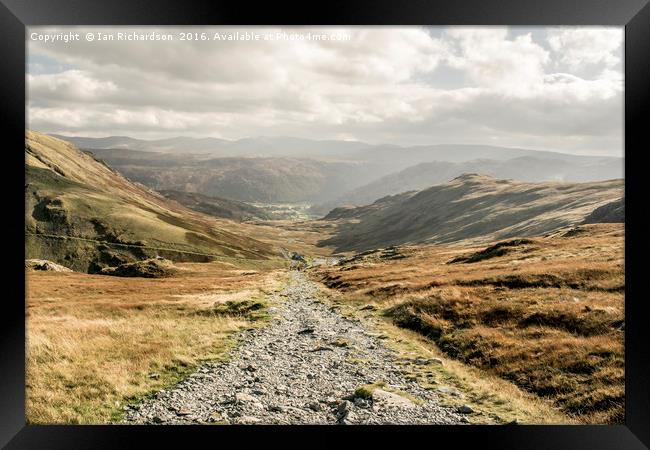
(364, 225)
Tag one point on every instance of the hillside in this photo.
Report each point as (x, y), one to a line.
(545, 313)
(217, 206)
(84, 215)
(470, 207)
(354, 212)
(523, 168)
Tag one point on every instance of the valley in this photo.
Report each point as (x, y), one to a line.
(329, 225)
(347, 287)
(327, 174)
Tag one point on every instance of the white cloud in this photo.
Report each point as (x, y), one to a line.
(382, 85)
(75, 85)
(580, 46)
(494, 61)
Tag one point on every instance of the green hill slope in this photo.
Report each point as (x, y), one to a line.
(84, 215)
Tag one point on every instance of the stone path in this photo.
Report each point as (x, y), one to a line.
(303, 368)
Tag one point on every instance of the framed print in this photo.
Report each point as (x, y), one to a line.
(363, 217)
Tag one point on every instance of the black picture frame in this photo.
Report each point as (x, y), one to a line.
(15, 15)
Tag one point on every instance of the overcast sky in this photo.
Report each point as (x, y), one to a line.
(546, 88)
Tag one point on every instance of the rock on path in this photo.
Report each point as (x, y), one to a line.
(303, 368)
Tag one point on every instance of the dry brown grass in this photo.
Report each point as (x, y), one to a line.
(545, 314)
(295, 236)
(96, 342)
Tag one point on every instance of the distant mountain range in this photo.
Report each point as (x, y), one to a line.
(475, 208)
(402, 156)
(248, 179)
(261, 146)
(327, 174)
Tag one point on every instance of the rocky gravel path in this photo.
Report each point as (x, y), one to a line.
(303, 368)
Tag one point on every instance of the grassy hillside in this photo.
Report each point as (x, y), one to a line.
(545, 313)
(470, 207)
(84, 215)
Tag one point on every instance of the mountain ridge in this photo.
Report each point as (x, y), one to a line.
(522, 168)
(471, 208)
(310, 147)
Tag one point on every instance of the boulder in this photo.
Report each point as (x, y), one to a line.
(44, 264)
(383, 399)
(248, 420)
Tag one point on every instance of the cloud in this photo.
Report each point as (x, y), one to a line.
(494, 61)
(580, 46)
(383, 84)
(75, 85)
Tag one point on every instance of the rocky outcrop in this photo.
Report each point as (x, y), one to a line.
(613, 212)
(44, 264)
(149, 268)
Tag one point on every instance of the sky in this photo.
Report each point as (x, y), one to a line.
(548, 88)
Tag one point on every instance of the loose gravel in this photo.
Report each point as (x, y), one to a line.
(302, 368)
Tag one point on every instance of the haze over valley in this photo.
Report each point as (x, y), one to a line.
(328, 174)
